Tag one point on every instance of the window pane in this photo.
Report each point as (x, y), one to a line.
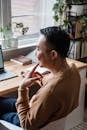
(24, 7)
(27, 12)
(28, 21)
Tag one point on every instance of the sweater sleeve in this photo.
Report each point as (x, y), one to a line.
(35, 113)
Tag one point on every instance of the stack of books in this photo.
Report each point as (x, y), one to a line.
(23, 60)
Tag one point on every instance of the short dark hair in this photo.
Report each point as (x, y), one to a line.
(57, 39)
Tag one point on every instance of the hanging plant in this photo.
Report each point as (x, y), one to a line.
(21, 27)
(60, 8)
(5, 31)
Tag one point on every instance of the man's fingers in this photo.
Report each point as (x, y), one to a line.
(28, 83)
(38, 74)
(24, 73)
(31, 73)
(35, 78)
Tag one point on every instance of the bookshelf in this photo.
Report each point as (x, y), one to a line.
(78, 43)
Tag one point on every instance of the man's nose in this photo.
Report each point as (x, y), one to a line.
(36, 52)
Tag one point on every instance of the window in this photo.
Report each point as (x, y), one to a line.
(27, 12)
(34, 14)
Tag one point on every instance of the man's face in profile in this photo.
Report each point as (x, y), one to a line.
(42, 53)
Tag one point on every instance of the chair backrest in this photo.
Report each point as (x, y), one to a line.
(55, 125)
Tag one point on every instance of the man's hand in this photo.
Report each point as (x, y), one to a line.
(30, 77)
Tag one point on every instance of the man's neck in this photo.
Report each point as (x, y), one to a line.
(59, 66)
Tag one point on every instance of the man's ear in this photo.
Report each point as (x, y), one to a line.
(54, 54)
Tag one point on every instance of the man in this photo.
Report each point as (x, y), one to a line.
(58, 94)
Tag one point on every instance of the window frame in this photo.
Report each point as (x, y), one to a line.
(5, 14)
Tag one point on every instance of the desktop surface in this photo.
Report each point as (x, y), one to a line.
(12, 84)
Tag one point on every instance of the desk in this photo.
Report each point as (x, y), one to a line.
(11, 85)
(75, 117)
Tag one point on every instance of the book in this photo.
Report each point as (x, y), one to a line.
(23, 60)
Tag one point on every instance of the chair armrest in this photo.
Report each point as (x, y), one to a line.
(9, 126)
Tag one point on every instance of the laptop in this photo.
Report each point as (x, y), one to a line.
(5, 74)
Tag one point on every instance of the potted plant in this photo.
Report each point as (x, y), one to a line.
(83, 34)
(21, 28)
(60, 8)
(83, 21)
(77, 7)
(5, 34)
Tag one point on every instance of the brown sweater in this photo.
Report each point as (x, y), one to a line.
(54, 100)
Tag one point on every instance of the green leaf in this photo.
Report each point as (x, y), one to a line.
(56, 18)
(24, 30)
(1, 29)
(19, 25)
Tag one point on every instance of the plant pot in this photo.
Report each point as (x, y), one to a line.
(2, 42)
(77, 10)
(9, 43)
(13, 43)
